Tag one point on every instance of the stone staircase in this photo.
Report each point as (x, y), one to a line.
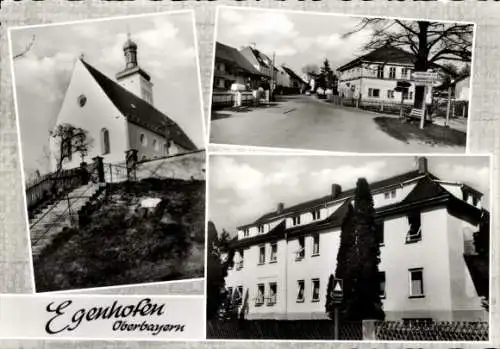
(48, 223)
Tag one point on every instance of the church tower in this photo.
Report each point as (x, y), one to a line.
(133, 78)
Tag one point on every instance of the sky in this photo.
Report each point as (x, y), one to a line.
(244, 187)
(166, 51)
(296, 38)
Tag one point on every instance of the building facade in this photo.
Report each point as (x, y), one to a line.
(118, 115)
(373, 77)
(425, 229)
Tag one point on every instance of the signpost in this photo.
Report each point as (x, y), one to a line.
(428, 79)
(402, 86)
(337, 295)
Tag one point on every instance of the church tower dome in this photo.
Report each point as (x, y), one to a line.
(133, 77)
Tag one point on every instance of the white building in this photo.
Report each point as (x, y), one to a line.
(283, 260)
(373, 77)
(118, 115)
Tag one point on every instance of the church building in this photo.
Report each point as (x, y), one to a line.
(118, 115)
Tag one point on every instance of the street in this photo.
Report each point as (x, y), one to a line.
(306, 122)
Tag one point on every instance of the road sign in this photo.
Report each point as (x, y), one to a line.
(422, 78)
(338, 290)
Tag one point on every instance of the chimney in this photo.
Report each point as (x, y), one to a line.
(336, 190)
(281, 207)
(422, 164)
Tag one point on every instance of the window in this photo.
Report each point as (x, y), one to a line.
(273, 288)
(262, 254)
(416, 282)
(301, 251)
(390, 194)
(296, 220)
(260, 294)
(246, 232)
(315, 251)
(379, 232)
(380, 72)
(374, 92)
(81, 100)
(105, 141)
(315, 214)
(274, 253)
(239, 295)
(381, 277)
(415, 232)
(392, 72)
(390, 94)
(410, 95)
(143, 140)
(156, 146)
(261, 229)
(405, 73)
(405, 93)
(229, 292)
(315, 290)
(239, 265)
(300, 291)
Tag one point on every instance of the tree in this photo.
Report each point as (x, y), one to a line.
(482, 248)
(358, 259)
(70, 140)
(329, 304)
(348, 264)
(369, 305)
(219, 259)
(431, 44)
(310, 69)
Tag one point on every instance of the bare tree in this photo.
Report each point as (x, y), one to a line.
(432, 44)
(70, 140)
(28, 47)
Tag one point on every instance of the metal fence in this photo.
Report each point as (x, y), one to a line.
(432, 331)
(282, 329)
(114, 173)
(51, 185)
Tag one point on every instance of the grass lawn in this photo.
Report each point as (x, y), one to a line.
(124, 243)
(431, 134)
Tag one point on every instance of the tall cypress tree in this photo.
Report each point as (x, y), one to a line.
(367, 284)
(347, 264)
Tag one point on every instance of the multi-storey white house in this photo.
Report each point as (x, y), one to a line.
(118, 115)
(425, 228)
(373, 77)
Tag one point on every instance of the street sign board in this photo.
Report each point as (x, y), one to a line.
(422, 78)
(338, 290)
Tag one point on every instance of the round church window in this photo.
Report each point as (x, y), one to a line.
(82, 100)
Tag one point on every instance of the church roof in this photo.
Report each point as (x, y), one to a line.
(138, 111)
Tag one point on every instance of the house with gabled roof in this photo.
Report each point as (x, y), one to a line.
(231, 67)
(373, 77)
(119, 115)
(425, 228)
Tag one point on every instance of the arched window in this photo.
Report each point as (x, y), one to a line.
(155, 145)
(105, 146)
(143, 140)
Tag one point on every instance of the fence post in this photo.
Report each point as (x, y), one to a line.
(100, 168)
(131, 163)
(369, 327)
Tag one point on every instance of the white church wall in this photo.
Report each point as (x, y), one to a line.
(152, 146)
(97, 112)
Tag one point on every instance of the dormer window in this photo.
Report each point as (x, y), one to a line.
(315, 214)
(296, 220)
(390, 194)
(246, 232)
(415, 232)
(261, 229)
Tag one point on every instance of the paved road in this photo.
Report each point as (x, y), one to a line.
(305, 122)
